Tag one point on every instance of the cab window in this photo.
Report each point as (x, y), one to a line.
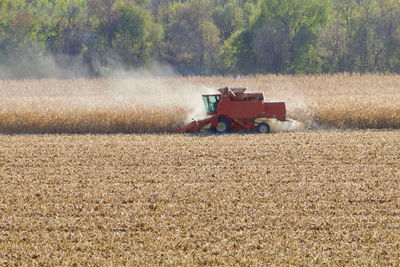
(210, 103)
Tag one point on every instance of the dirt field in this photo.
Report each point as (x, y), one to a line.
(317, 198)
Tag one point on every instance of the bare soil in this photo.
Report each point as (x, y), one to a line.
(317, 198)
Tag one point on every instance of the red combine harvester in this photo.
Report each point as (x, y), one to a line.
(234, 110)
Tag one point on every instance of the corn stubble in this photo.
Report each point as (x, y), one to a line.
(318, 198)
(146, 105)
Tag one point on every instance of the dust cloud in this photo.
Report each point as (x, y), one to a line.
(154, 88)
(159, 93)
(298, 107)
(152, 100)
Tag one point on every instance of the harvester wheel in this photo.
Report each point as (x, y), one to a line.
(263, 128)
(223, 126)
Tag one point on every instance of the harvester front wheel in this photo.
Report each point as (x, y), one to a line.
(263, 128)
(223, 126)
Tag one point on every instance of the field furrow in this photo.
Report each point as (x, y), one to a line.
(316, 198)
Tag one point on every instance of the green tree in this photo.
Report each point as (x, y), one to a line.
(361, 36)
(136, 35)
(192, 38)
(236, 55)
(17, 42)
(229, 18)
(281, 38)
(349, 15)
(126, 32)
(199, 36)
(61, 26)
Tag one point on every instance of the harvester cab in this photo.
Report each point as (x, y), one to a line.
(211, 103)
(235, 110)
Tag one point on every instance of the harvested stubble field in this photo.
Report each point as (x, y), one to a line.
(316, 198)
(154, 105)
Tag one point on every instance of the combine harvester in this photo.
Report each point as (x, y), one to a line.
(235, 110)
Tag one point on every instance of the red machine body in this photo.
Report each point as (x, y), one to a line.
(234, 110)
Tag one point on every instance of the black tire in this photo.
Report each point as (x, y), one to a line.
(263, 128)
(224, 126)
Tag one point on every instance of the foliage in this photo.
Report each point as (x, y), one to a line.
(94, 37)
(282, 35)
(193, 39)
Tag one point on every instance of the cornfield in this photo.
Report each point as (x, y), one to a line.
(305, 198)
(155, 105)
(289, 199)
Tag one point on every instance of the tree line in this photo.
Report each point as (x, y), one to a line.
(201, 37)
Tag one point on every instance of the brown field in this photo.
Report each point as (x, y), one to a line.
(154, 105)
(313, 198)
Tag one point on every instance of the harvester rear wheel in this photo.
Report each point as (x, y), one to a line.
(223, 126)
(263, 128)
